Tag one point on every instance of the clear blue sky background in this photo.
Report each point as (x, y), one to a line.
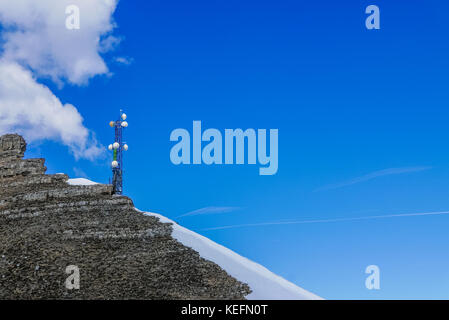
(347, 102)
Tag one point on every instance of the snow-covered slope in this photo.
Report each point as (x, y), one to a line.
(265, 284)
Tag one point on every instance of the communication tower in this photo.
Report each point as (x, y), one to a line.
(117, 149)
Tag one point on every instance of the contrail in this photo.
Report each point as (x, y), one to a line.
(327, 220)
(374, 175)
(210, 210)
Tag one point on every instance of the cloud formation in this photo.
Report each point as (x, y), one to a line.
(33, 110)
(36, 44)
(124, 60)
(36, 36)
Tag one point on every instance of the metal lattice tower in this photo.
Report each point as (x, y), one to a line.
(117, 148)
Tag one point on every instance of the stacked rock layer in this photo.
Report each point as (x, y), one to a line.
(48, 226)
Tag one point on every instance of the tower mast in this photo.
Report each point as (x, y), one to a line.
(117, 149)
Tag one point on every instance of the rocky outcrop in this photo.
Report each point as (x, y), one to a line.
(47, 225)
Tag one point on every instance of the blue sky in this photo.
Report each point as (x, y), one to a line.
(363, 111)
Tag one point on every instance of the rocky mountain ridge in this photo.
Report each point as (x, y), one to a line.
(47, 225)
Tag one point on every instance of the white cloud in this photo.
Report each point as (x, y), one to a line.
(35, 38)
(109, 43)
(124, 60)
(32, 110)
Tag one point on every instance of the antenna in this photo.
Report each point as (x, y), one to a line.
(117, 149)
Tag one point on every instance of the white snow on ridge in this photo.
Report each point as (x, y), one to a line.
(265, 285)
(80, 182)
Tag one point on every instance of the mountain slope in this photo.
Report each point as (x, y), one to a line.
(265, 285)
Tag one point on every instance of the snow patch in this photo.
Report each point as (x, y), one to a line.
(80, 182)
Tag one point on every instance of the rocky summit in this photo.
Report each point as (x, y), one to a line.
(48, 226)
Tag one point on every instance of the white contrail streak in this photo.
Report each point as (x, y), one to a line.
(209, 210)
(327, 220)
(374, 175)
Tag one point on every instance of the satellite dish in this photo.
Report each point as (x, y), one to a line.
(116, 145)
(110, 147)
(112, 123)
(124, 116)
(124, 124)
(125, 147)
(114, 164)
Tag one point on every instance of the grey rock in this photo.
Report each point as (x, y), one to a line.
(47, 225)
